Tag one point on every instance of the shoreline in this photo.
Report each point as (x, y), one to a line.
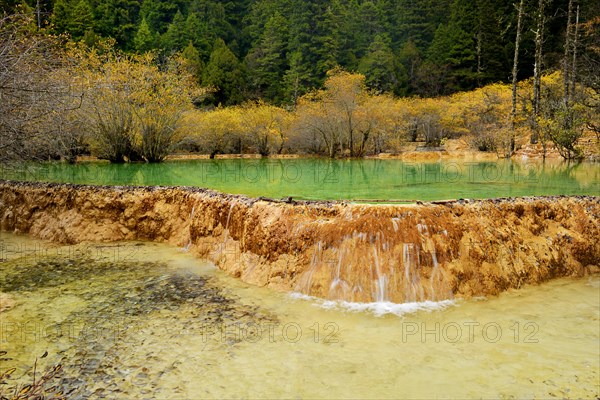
(418, 156)
(453, 150)
(411, 156)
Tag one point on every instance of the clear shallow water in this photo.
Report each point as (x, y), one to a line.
(322, 179)
(132, 320)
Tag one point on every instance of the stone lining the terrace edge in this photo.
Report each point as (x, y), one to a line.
(333, 250)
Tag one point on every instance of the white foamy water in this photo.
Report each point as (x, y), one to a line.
(378, 308)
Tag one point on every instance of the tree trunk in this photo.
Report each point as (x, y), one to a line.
(537, 71)
(479, 63)
(574, 64)
(351, 133)
(363, 143)
(39, 14)
(566, 67)
(514, 76)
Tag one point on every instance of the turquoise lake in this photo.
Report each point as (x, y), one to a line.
(324, 179)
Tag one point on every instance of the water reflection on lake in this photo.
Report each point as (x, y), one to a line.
(312, 178)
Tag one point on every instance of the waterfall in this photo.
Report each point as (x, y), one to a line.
(407, 274)
(339, 287)
(436, 268)
(359, 253)
(187, 247)
(226, 227)
(305, 283)
(395, 224)
(412, 262)
(381, 282)
(226, 234)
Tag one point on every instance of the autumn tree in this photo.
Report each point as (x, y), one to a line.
(215, 132)
(429, 123)
(387, 123)
(484, 115)
(337, 114)
(561, 123)
(264, 126)
(133, 108)
(36, 99)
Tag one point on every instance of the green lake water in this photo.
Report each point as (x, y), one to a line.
(145, 320)
(323, 179)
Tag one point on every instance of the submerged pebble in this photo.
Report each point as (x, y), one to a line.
(124, 305)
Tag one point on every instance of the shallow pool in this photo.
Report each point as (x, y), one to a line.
(144, 320)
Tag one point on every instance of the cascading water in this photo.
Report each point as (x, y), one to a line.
(187, 247)
(305, 283)
(404, 272)
(339, 287)
(224, 247)
(436, 270)
(336, 251)
(411, 261)
(381, 282)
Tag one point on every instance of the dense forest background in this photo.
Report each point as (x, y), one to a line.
(278, 50)
(139, 80)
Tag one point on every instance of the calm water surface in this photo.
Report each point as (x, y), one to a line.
(336, 179)
(144, 320)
